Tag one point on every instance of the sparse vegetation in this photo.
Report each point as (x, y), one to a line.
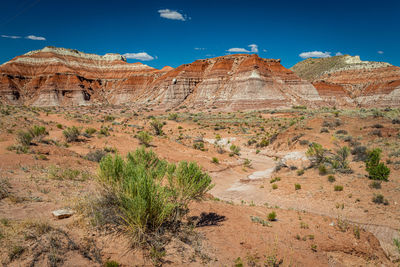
(71, 134)
(144, 138)
(235, 150)
(380, 199)
(157, 126)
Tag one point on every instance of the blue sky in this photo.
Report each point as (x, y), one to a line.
(172, 33)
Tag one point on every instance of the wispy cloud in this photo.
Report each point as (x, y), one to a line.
(35, 38)
(11, 36)
(199, 48)
(315, 54)
(143, 56)
(380, 52)
(338, 54)
(171, 14)
(253, 49)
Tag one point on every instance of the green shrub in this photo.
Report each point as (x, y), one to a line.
(247, 163)
(199, 146)
(375, 184)
(339, 161)
(59, 126)
(317, 153)
(173, 116)
(24, 138)
(380, 199)
(71, 134)
(338, 187)
(331, 178)
(297, 186)
(235, 150)
(263, 143)
(322, 169)
(215, 160)
(111, 264)
(104, 131)
(272, 216)
(96, 155)
(146, 199)
(144, 138)
(274, 186)
(300, 172)
(38, 132)
(377, 170)
(396, 242)
(157, 126)
(90, 131)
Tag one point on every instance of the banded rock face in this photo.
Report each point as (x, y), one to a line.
(233, 82)
(347, 79)
(57, 76)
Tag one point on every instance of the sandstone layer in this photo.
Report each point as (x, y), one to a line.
(347, 79)
(57, 76)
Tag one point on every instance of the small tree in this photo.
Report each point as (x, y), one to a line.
(377, 170)
(157, 126)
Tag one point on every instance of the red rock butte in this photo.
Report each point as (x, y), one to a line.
(57, 76)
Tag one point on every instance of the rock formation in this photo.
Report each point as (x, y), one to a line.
(57, 76)
(346, 80)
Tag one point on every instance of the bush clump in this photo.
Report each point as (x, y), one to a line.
(144, 138)
(96, 155)
(150, 192)
(235, 150)
(71, 134)
(38, 132)
(24, 138)
(157, 126)
(377, 170)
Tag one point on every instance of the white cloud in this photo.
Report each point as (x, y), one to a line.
(139, 56)
(338, 54)
(11, 36)
(380, 52)
(265, 50)
(315, 54)
(253, 49)
(238, 50)
(36, 38)
(199, 48)
(171, 14)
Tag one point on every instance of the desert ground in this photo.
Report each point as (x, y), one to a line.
(260, 162)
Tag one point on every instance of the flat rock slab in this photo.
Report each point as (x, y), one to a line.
(62, 213)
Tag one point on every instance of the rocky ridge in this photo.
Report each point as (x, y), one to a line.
(58, 76)
(347, 80)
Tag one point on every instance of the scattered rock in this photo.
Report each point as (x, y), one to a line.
(62, 213)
